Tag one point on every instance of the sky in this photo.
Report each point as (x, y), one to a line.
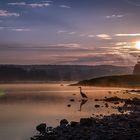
(70, 32)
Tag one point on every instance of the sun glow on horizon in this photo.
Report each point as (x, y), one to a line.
(137, 45)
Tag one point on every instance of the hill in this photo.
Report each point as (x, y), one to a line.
(12, 73)
(113, 81)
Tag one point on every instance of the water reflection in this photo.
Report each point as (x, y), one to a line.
(82, 102)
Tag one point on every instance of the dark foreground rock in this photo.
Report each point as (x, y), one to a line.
(114, 127)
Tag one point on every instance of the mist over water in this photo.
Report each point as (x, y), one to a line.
(23, 106)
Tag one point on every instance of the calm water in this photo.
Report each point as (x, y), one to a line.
(23, 106)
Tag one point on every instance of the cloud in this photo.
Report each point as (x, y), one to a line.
(127, 35)
(5, 13)
(104, 36)
(33, 5)
(21, 30)
(121, 43)
(15, 29)
(17, 4)
(65, 6)
(1, 28)
(82, 35)
(124, 45)
(114, 16)
(132, 2)
(91, 36)
(66, 32)
(72, 33)
(61, 31)
(69, 45)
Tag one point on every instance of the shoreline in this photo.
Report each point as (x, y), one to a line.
(116, 126)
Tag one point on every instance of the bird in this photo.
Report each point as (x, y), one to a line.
(82, 94)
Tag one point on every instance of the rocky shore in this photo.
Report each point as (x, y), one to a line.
(114, 127)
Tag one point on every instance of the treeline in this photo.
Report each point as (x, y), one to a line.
(11, 73)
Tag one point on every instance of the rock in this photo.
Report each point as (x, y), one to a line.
(73, 124)
(113, 99)
(41, 128)
(86, 122)
(72, 100)
(97, 106)
(69, 105)
(116, 103)
(64, 122)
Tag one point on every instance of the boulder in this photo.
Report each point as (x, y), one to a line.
(41, 128)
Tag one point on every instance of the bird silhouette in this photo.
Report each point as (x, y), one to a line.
(82, 94)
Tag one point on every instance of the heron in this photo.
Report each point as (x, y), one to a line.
(82, 94)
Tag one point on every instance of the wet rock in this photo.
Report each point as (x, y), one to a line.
(72, 100)
(41, 128)
(96, 100)
(97, 106)
(116, 103)
(113, 99)
(69, 105)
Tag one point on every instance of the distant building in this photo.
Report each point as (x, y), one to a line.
(137, 67)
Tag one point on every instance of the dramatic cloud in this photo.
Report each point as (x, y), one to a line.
(72, 32)
(5, 13)
(104, 36)
(127, 35)
(114, 16)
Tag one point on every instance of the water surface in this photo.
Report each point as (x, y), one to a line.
(23, 106)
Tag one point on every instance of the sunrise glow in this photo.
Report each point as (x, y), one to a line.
(137, 45)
